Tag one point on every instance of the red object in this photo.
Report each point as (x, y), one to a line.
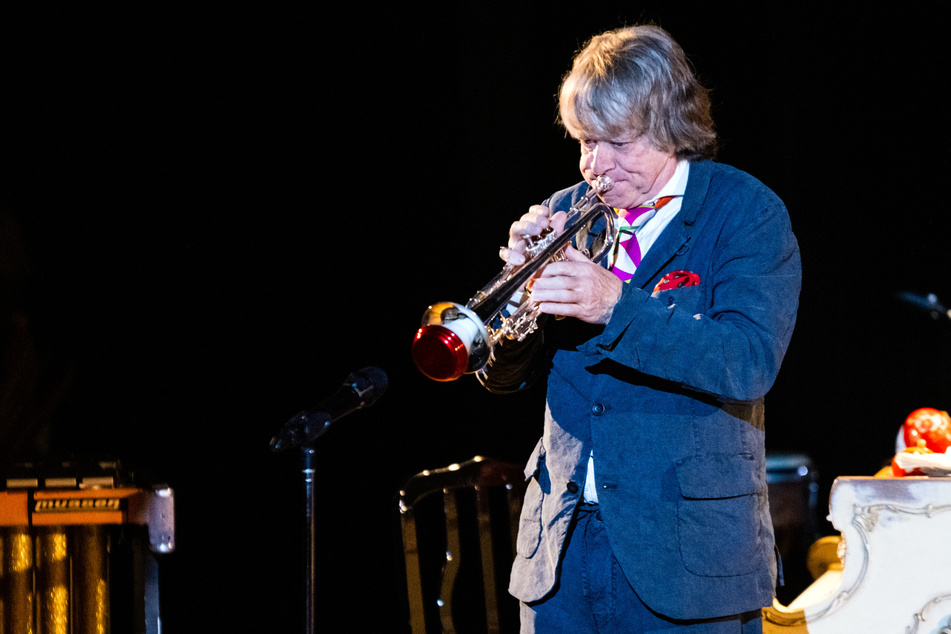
(677, 279)
(898, 472)
(440, 353)
(928, 427)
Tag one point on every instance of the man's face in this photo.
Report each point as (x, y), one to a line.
(638, 169)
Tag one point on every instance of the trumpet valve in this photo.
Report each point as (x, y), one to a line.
(536, 245)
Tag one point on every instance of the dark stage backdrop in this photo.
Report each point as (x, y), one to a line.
(212, 215)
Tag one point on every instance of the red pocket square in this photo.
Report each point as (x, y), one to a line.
(677, 279)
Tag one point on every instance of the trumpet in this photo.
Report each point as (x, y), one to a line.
(455, 339)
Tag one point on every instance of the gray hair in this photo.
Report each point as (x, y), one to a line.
(637, 79)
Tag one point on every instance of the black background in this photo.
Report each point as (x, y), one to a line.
(212, 215)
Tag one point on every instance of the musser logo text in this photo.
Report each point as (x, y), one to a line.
(76, 504)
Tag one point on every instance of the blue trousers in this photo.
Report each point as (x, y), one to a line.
(594, 596)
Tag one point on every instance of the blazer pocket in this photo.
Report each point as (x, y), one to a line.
(718, 518)
(686, 298)
(530, 522)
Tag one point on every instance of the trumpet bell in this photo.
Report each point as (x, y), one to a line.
(451, 342)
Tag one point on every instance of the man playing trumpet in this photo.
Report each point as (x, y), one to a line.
(646, 508)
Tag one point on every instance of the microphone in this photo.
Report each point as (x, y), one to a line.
(928, 303)
(361, 389)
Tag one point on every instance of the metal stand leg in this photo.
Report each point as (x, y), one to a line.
(308, 455)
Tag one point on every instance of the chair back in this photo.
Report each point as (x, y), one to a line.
(459, 525)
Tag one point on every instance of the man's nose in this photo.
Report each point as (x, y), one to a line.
(601, 159)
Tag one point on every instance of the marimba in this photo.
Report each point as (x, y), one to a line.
(78, 553)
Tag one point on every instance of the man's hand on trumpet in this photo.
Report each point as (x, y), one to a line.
(531, 224)
(576, 287)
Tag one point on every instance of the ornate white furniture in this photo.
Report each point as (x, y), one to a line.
(895, 576)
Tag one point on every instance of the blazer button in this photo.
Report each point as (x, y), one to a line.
(597, 409)
(572, 487)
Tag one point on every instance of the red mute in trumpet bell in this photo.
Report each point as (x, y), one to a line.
(439, 353)
(450, 343)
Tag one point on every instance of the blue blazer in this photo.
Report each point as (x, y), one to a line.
(669, 396)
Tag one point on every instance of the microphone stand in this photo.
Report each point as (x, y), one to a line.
(361, 389)
(303, 430)
(308, 455)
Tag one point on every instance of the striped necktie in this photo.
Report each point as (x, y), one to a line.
(627, 252)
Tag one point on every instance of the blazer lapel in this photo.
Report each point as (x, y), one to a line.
(675, 239)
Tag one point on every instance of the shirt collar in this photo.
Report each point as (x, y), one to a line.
(677, 184)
